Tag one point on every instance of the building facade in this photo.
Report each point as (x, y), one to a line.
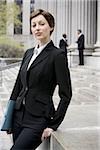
(70, 15)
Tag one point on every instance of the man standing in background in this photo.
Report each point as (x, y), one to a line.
(81, 47)
(63, 43)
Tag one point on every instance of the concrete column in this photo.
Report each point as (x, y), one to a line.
(97, 45)
(26, 17)
(90, 22)
(68, 20)
(84, 18)
(52, 8)
(10, 22)
(41, 4)
(62, 16)
(74, 21)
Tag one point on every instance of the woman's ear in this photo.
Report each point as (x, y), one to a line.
(52, 29)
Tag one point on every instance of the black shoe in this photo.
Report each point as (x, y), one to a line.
(81, 64)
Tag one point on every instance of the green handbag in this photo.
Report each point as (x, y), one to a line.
(7, 120)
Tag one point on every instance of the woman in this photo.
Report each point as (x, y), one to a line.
(42, 68)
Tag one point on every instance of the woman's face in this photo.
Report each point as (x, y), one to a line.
(40, 28)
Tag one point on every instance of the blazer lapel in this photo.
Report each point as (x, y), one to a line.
(27, 59)
(42, 55)
(24, 67)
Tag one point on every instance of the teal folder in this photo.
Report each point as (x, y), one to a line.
(7, 120)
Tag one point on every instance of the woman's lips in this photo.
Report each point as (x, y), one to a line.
(38, 34)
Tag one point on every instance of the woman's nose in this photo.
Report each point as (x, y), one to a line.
(37, 27)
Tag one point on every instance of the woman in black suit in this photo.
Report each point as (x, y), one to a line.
(43, 67)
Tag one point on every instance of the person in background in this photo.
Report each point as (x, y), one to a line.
(81, 46)
(43, 67)
(63, 43)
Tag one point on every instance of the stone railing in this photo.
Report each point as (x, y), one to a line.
(3, 66)
(53, 143)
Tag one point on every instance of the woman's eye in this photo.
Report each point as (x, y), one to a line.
(33, 25)
(42, 24)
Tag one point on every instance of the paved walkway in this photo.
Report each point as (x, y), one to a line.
(82, 121)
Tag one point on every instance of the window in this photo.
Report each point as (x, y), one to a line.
(18, 28)
(31, 8)
(31, 5)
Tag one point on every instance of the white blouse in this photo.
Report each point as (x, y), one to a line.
(36, 52)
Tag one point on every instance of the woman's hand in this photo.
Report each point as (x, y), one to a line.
(9, 131)
(46, 133)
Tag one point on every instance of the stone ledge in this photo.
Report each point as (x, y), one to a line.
(79, 139)
(80, 129)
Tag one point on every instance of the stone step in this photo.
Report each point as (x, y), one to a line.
(81, 98)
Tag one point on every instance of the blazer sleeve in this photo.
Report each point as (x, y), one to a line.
(18, 85)
(82, 42)
(65, 89)
(60, 43)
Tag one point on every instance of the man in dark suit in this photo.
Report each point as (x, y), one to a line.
(81, 47)
(63, 43)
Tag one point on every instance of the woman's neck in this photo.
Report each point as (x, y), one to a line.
(41, 43)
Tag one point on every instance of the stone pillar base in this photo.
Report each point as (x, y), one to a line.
(97, 49)
(97, 52)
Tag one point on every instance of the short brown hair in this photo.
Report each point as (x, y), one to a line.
(49, 17)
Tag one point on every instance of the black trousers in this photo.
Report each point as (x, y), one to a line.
(27, 130)
(81, 57)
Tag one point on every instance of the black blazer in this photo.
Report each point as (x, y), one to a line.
(37, 85)
(63, 45)
(80, 42)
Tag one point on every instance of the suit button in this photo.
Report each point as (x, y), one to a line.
(26, 89)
